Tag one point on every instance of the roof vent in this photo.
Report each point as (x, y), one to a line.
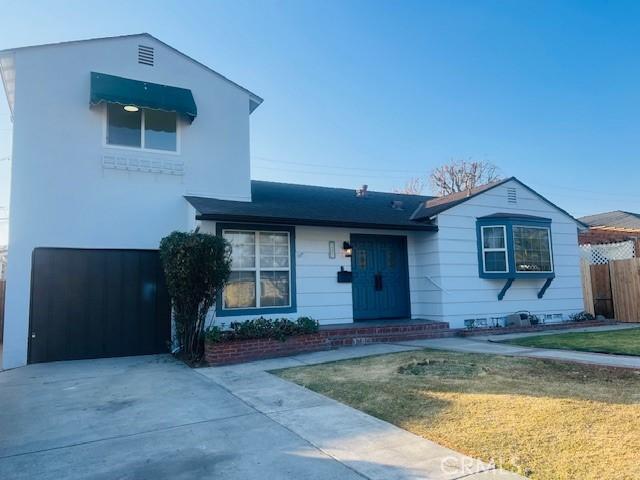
(145, 55)
(511, 195)
(362, 191)
(397, 204)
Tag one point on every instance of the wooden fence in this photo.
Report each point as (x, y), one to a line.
(3, 285)
(613, 290)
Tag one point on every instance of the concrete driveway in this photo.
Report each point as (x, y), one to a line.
(154, 418)
(142, 418)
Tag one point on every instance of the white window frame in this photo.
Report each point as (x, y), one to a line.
(505, 249)
(550, 250)
(257, 269)
(141, 148)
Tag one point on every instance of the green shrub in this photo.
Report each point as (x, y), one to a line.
(277, 329)
(307, 325)
(196, 267)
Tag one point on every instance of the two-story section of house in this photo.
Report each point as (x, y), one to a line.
(109, 135)
(119, 141)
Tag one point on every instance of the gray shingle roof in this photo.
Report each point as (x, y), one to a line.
(437, 205)
(286, 203)
(615, 219)
(292, 204)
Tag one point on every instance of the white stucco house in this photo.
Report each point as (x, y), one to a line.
(119, 141)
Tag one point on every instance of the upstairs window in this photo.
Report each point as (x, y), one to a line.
(514, 246)
(141, 128)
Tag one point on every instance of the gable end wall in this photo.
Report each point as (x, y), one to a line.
(465, 295)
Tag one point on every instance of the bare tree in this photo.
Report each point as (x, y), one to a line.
(413, 186)
(462, 175)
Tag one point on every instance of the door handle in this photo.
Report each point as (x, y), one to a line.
(377, 281)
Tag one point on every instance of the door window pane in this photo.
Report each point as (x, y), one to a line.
(123, 128)
(362, 258)
(532, 249)
(390, 258)
(160, 130)
(240, 291)
(274, 289)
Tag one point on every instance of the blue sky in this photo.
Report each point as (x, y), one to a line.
(376, 92)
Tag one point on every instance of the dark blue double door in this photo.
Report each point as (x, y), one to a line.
(380, 277)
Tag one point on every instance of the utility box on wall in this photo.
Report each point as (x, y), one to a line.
(344, 276)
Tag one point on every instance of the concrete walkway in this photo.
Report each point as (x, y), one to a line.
(370, 447)
(490, 344)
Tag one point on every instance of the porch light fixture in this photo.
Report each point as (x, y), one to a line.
(131, 108)
(347, 249)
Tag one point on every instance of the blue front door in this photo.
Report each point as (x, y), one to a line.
(380, 279)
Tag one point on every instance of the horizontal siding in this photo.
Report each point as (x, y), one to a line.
(443, 267)
(319, 295)
(469, 296)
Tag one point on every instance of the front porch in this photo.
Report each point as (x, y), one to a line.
(384, 331)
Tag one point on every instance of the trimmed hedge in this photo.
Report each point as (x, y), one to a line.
(277, 329)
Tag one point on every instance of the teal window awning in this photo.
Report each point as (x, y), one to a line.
(125, 91)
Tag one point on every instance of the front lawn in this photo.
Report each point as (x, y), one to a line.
(623, 342)
(542, 418)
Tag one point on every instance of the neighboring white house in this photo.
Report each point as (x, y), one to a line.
(119, 141)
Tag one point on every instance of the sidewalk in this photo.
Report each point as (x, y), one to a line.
(370, 447)
(490, 344)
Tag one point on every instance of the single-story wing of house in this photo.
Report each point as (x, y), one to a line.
(119, 141)
(341, 255)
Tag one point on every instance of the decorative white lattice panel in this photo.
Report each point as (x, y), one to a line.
(602, 254)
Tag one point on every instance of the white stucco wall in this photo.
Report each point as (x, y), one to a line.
(60, 194)
(465, 295)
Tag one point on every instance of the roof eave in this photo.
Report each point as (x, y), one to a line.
(312, 222)
(581, 225)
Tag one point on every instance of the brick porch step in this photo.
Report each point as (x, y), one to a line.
(384, 332)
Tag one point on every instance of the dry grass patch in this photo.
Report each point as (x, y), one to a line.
(542, 418)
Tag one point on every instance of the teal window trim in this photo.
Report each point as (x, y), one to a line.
(292, 307)
(508, 222)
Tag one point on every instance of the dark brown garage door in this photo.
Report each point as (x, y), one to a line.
(97, 303)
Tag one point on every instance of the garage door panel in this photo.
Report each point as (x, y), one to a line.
(97, 303)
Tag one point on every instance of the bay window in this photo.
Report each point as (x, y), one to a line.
(532, 249)
(494, 248)
(514, 246)
(262, 271)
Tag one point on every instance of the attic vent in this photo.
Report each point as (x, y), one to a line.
(396, 204)
(145, 55)
(511, 195)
